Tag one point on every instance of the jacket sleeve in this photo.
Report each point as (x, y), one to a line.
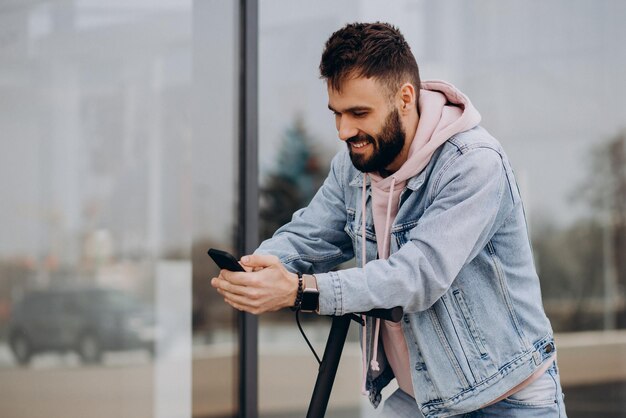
(471, 198)
(315, 240)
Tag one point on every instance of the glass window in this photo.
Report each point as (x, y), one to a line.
(110, 119)
(214, 170)
(547, 81)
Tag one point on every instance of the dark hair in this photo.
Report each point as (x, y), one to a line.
(369, 50)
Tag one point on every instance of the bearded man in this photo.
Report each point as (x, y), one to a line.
(426, 201)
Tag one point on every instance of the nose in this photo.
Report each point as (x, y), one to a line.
(346, 129)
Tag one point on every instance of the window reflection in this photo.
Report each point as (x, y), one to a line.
(105, 206)
(567, 152)
(87, 321)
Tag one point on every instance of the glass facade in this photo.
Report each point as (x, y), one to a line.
(119, 168)
(546, 78)
(215, 173)
(110, 118)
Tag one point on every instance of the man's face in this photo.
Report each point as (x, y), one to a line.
(368, 123)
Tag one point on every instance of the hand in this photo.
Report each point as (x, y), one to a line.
(266, 286)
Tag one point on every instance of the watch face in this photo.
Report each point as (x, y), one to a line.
(310, 300)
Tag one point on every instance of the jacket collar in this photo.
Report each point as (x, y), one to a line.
(413, 183)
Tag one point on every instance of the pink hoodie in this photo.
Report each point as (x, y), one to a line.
(444, 112)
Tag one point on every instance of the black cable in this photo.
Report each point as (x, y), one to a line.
(305, 338)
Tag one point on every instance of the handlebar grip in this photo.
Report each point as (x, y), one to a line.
(393, 314)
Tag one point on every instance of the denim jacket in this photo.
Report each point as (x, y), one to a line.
(460, 265)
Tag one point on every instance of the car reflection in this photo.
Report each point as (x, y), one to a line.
(88, 321)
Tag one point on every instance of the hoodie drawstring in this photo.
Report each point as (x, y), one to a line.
(364, 391)
(374, 362)
(385, 254)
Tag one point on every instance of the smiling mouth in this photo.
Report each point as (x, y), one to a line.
(359, 144)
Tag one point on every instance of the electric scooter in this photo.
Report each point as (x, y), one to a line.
(332, 355)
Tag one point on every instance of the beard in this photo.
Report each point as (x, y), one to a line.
(386, 146)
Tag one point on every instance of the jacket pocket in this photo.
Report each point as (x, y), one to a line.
(506, 296)
(354, 229)
(469, 322)
(447, 348)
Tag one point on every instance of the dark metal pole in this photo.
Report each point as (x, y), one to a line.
(332, 355)
(248, 235)
(328, 368)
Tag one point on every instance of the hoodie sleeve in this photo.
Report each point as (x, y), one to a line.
(315, 240)
(471, 198)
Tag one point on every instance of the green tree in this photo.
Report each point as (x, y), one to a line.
(293, 182)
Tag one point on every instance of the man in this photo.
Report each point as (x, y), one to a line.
(427, 202)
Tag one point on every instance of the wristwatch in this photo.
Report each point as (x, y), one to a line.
(310, 295)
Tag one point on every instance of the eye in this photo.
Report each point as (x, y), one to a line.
(359, 114)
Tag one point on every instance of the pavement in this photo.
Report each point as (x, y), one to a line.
(592, 368)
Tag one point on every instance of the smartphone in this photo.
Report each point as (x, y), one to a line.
(225, 260)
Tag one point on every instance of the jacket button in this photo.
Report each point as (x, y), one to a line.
(406, 318)
(549, 348)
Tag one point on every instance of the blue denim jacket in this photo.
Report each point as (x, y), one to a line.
(461, 266)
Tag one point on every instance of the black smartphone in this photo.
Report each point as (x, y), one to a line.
(225, 260)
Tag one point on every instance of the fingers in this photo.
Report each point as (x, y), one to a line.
(238, 278)
(259, 260)
(227, 286)
(243, 308)
(239, 297)
(255, 290)
(243, 304)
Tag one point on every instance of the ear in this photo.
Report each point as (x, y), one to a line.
(407, 98)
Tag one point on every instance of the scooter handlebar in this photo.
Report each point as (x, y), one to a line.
(393, 314)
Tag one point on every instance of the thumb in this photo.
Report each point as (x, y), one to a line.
(259, 260)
